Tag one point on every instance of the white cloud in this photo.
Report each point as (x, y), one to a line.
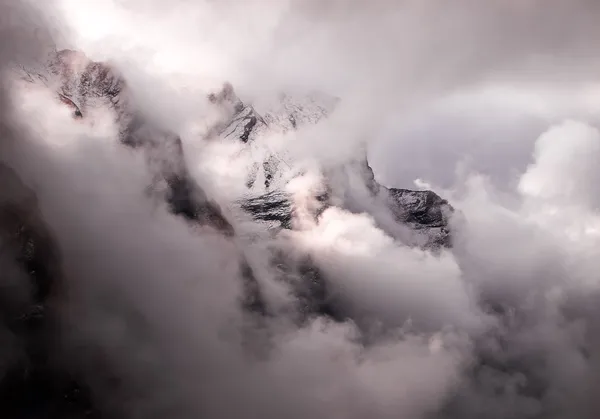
(513, 301)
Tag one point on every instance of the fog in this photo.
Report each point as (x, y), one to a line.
(490, 104)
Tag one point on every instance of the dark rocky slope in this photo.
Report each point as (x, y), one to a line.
(35, 383)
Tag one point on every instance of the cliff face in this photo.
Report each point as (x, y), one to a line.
(83, 84)
(422, 211)
(36, 384)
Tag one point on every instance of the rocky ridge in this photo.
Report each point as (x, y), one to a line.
(40, 386)
(82, 83)
(423, 211)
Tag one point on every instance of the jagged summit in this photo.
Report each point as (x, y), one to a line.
(245, 123)
(423, 211)
(82, 83)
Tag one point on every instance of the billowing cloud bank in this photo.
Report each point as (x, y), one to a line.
(503, 324)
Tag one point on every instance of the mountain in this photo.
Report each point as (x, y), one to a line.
(82, 83)
(423, 211)
(242, 122)
(37, 385)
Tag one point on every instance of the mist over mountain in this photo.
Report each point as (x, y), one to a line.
(317, 208)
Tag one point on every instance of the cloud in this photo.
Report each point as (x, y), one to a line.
(502, 324)
(564, 167)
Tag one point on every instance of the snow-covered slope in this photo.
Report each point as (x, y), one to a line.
(423, 211)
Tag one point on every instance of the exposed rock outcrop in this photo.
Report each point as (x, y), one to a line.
(423, 211)
(83, 84)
